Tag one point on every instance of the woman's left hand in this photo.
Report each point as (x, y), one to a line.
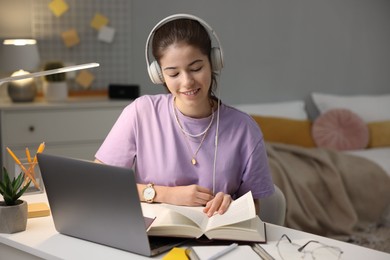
(219, 204)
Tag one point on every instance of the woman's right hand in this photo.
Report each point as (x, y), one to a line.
(191, 195)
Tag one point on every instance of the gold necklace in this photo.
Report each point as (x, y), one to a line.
(182, 128)
(193, 159)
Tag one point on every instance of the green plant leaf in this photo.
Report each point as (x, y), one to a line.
(2, 188)
(8, 200)
(6, 182)
(11, 190)
(21, 191)
(6, 179)
(8, 188)
(18, 182)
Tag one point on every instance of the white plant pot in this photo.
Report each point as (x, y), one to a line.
(55, 91)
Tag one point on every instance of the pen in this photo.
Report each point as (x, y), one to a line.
(40, 150)
(16, 159)
(190, 253)
(224, 251)
(31, 166)
(28, 155)
(22, 167)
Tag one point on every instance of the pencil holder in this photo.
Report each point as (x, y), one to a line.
(31, 171)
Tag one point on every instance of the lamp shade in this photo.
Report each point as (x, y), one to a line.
(18, 54)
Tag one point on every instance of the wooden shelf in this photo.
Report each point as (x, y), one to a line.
(84, 93)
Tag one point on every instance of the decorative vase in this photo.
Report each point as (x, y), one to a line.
(23, 90)
(55, 91)
(13, 218)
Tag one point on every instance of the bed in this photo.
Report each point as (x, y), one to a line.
(334, 168)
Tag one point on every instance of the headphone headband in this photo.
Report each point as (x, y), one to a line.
(216, 54)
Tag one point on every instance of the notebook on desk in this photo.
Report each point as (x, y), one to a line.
(98, 203)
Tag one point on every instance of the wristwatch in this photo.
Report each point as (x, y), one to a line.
(149, 193)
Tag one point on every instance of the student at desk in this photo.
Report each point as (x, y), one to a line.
(187, 147)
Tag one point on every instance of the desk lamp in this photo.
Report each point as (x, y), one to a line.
(19, 56)
(50, 72)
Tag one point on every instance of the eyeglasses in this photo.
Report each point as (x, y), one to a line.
(289, 250)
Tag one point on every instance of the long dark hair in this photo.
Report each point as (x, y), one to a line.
(188, 31)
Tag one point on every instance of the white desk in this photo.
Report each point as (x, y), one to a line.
(41, 240)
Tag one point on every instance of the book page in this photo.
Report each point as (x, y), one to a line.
(171, 223)
(168, 222)
(172, 218)
(196, 214)
(191, 215)
(239, 210)
(248, 230)
(151, 210)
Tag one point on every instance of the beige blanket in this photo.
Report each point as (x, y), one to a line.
(327, 192)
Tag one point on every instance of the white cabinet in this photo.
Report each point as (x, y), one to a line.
(74, 128)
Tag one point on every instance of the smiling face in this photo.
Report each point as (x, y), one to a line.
(187, 74)
(182, 48)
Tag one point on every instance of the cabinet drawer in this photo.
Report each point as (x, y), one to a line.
(23, 127)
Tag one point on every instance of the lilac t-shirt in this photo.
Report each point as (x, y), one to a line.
(148, 138)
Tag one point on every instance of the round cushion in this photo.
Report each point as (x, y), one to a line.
(340, 129)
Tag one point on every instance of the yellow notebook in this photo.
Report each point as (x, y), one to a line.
(40, 209)
(176, 254)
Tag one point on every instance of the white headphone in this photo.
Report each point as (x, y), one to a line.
(216, 54)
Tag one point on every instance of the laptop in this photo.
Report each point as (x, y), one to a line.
(99, 203)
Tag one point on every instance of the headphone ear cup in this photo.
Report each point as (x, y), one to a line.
(155, 73)
(216, 59)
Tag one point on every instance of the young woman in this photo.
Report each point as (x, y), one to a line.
(187, 147)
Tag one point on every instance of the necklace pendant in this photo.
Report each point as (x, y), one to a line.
(193, 161)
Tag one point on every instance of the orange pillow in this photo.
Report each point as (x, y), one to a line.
(379, 134)
(285, 130)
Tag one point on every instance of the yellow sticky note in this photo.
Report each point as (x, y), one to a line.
(70, 38)
(39, 209)
(58, 7)
(176, 254)
(99, 21)
(85, 79)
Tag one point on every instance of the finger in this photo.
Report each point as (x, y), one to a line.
(207, 207)
(225, 204)
(205, 197)
(209, 210)
(214, 204)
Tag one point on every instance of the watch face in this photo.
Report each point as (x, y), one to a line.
(149, 193)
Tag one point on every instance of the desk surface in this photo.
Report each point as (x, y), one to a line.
(42, 240)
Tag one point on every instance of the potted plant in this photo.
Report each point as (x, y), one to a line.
(13, 211)
(55, 86)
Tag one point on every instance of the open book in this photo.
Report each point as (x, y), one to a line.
(239, 222)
